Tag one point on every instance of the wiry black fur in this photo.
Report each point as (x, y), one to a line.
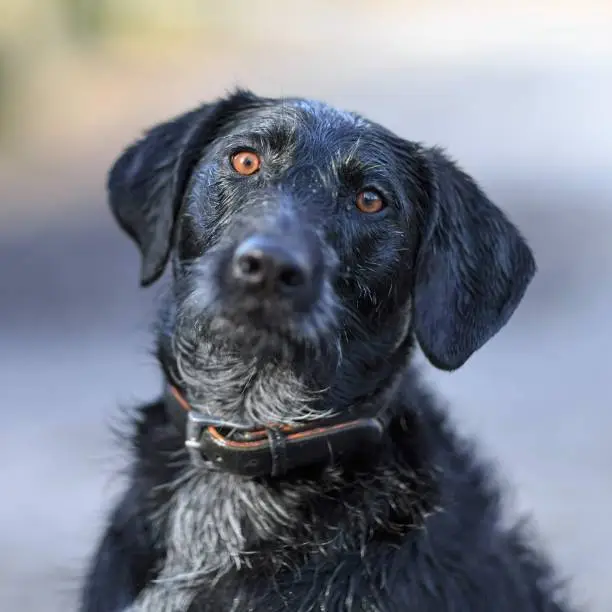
(414, 525)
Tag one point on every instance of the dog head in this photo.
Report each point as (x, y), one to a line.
(295, 228)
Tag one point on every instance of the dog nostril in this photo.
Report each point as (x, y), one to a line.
(250, 265)
(291, 277)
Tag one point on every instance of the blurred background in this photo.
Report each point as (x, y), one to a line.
(519, 91)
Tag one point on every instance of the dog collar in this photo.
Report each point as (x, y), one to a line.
(269, 451)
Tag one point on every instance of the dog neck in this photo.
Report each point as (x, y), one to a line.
(221, 523)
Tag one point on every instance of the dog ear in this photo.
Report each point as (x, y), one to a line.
(147, 182)
(473, 267)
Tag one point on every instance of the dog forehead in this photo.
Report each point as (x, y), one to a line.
(323, 113)
(300, 115)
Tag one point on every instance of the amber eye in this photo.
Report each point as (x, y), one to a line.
(369, 201)
(246, 162)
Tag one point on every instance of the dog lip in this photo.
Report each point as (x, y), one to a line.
(263, 311)
(253, 329)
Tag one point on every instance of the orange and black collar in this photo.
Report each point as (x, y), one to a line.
(271, 451)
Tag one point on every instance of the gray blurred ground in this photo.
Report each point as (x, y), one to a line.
(74, 339)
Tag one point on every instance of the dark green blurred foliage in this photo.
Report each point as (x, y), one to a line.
(86, 20)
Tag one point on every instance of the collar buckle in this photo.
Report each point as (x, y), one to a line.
(273, 451)
(195, 427)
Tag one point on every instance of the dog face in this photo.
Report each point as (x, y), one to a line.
(300, 232)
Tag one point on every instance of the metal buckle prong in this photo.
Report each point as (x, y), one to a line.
(195, 428)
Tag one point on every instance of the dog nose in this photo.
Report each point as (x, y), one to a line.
(264, 263)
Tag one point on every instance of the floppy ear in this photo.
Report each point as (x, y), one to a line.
(147, 182)
(473, 267)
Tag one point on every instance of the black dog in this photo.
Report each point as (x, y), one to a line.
(294, 462)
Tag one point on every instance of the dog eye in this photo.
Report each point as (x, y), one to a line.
(369, 201)
(245, 162)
